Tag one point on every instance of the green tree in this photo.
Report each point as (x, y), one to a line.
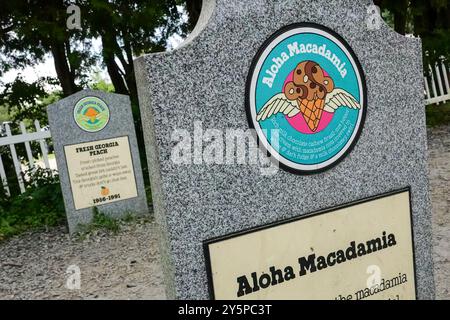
(30, 29)
(193, 9)
(399, 10)
(129, 28)
(28, 101)
(428, 19)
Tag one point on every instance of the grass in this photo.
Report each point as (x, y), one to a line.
(102, 222)
(41, 206)
(438, 115)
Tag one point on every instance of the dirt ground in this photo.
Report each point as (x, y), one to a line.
(126, 265)
(439, 168)
(122, 266)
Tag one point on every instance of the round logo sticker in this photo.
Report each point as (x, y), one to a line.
(91, 114)
(306, 97)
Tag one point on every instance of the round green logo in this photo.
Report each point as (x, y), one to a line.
(91, 114)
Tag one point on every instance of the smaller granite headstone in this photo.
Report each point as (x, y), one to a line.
(97, 156)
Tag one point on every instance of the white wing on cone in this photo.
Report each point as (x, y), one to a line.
(278, 104)
(340, 98)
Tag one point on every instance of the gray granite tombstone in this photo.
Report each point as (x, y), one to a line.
(342, 97)
(97, 156)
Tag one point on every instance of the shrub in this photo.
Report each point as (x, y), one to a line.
(438, 115)
(40, 206)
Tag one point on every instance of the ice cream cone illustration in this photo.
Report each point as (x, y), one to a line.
(311, 92)
(312, 112)
(310, 87)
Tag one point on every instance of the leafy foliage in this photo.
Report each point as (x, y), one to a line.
(4, 116)
(430, 20)
(32, 30)
(28, 101)
(102, 221)
(40, 206)
(100, 84)
(438, 115)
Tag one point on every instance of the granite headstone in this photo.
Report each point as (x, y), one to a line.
(97, 156)
(342, 94)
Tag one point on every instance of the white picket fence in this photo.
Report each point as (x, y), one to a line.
(437, 87)
(26, 138)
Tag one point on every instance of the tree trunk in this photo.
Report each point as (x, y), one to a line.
(62, 68)
(114, 74)
(400, 22)
(111, 65)
(131, 83)
(129, 70)
(424, 18)
(193, 8)
(378, 3)
(400, 17)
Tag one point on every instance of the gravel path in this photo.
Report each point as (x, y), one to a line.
(122, 266)
(439, 167)
(126, 265)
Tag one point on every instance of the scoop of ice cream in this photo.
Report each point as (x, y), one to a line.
(294, 92)
(309, 82)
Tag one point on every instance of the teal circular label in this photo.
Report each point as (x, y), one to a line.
(91, 114)
(306, 97)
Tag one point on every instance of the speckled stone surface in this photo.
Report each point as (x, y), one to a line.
(199, 201)
(66, 132)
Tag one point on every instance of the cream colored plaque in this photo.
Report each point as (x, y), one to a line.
(361, 251)
(100, 172)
